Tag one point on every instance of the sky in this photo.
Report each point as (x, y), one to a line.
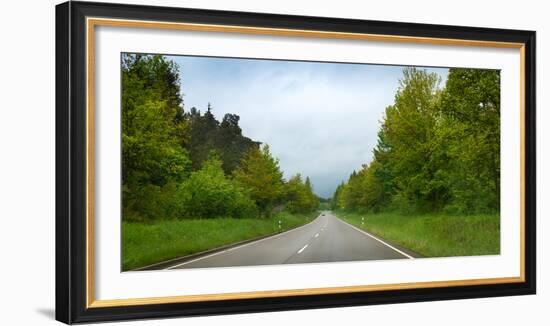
(320, 119)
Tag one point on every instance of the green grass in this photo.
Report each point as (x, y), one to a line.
(145, 244)
(434, 235)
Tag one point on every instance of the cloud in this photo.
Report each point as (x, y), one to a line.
(320, 119)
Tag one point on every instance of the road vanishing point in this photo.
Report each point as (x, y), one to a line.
(325, 239)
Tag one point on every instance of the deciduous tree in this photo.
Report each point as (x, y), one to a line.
(260, 173)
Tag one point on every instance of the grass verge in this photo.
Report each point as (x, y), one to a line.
(434, 235)
(145, 244)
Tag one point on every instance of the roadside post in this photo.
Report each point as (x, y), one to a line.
(280, 226)
(362, 221)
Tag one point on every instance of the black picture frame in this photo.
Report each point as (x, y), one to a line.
(71, 158)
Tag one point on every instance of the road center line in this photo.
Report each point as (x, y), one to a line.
(317, 235)
(238, 247)
(303, 248)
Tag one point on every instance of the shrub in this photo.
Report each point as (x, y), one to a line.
(208, 193)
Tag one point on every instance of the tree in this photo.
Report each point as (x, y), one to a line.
(230, 142)
(260, 173)
(438, 149)
(203, 132)
(153, 135)
(299, 195)
(336, 197)
(410, 142)
(225, 138)
(178, 164)
(208, 193)
(471, 108)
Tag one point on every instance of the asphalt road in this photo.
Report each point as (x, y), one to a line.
(325, 239)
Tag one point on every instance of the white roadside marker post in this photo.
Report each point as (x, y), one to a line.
(279, 225)
(362, 221)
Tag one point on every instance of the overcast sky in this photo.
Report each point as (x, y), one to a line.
(319, 119)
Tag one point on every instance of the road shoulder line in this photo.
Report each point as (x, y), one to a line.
(375, 238)
(234, 247)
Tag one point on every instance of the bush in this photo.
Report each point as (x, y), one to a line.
(208, 193)
(150, 202)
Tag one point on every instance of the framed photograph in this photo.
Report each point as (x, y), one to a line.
(212, 162)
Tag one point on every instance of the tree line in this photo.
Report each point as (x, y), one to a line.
(438, 148)
(179, 164)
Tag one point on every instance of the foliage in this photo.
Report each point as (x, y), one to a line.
(208, 193)
(299, 195)
(224, 137)
(438, 148)
(153, 158)
(260, 173)
(471, 106)
(181, 165)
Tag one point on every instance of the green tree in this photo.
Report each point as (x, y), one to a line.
(224, 137)
(336, 197)
(299, 195)
(409, 134)
(153, 135)
(208, 193)
(471, 111)
(202, 136)
(231, 143)
(438, 149)
(260, 173)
